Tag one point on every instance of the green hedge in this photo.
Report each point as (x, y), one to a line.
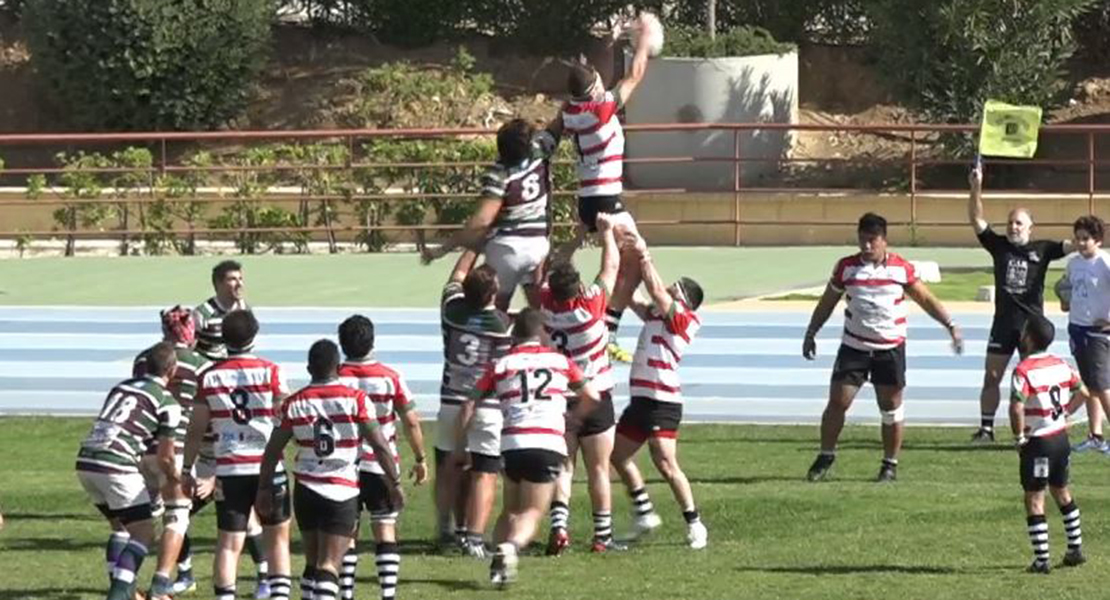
(739, 41)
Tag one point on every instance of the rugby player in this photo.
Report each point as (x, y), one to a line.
(531, 384)
(873, 347)
(512, 222)
(1038, 409)
(475, 332)
(655, 411)
(137, 413)
(330, 422)
(391, 401)
(227, 280)
(239, 397)
(574, 319)
(1020, 265)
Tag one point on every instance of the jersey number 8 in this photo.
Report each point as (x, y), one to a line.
(1057, 407)
(241, 413)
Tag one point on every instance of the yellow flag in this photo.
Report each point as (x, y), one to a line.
(1009, 130)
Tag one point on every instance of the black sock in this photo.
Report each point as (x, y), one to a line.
(254, 546)
(185, 556)
(691, 516)
(986, 422)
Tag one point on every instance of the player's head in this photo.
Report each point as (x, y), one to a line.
(178, 326)
(356, 336)
(688, 292)
(239, 329)
(564, 280)
(227, 279)
(514, 141)
(584, 82)
(480, 286)
(871, 233)
(1037, 335)
(1088, 235)
(323, 360)
(527, 325)
(161, 360)
(1019, 226)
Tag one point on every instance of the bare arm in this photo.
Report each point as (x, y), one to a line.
(821, 314)
(462, 423)
(198, 425)
(462, 266)
(471, 235)
(625, 87)
(372, 434)
(167, 461)
(925, 299)
(610, 254)
(653, 283)
(410, 420)
(275, 450)
(975, 200)
(1017, 418)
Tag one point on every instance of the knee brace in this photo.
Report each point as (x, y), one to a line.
(890, 417)
(176, 518)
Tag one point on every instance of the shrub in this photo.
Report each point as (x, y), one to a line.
(739, 41)
(1092, 32)
(148, 64)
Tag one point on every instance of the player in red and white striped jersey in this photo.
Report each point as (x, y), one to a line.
(876, 282)
(655, 411)
(1039, 405)
(330, 423)
(574, 316)
(239, 396)
(391, 401)
(531, 383)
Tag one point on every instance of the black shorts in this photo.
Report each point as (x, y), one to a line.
(374, 497)
(533, 465)
(1005, 333)
(318, 513)
(880, 367)
(599, 420)
(479, 463)
(235, 496)
(129, 515)
(1092, 356)
(1044, 461)
(590, 206)
(644, 418)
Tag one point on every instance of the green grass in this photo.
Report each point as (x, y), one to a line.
(956, 285)
(393, 280)
(952, 527)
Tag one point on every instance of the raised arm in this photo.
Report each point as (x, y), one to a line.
(925, 299)
(821, 314)
(625, 87)
(975, 200)
(610, 253)
(653, 283)
(463, 266)
(471, 235)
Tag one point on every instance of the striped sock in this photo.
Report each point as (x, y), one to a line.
(986, 422)
(347, 575)
(388, 560)
(327, 585)
(223, 593)
(1071, 526)
(1038, 536)
(280, 587)
(603, 526)
(613, 321)
(560, 515)
(308, 582)
(116, 543)
(641, 502)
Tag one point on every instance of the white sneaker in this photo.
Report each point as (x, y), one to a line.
(644, 524)
(697, 535)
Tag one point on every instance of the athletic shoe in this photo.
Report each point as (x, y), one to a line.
(558, 542)
(1091, 443)
(1074, 558)
(607, 545)
(820, 467)
(887, 473)
(262, 592)
(502, 569)
(644, 524)
(1041, 568)
(477, 550)
(982, 436)
(185, 583)
(697, 535)
(618, 354)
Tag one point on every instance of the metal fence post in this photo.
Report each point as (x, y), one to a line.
(736, 186)
(1090, 172)
(913, 186)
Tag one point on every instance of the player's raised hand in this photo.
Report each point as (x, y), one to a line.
(604, 222)
(419, 473)
(975, 176)
(427, 255)
(203, 487)
(809, 347)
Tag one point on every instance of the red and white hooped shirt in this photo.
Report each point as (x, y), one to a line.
(577, 329)
(388, 395)
(598, 142)
(875, 318)
(1044, 383)
(663, 341)
(242, 394)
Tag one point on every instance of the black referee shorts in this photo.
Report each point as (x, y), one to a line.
(1005, 334)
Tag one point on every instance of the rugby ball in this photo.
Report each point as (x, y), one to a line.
(651, 27)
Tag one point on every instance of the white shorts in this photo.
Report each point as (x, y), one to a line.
(516, 258)
(484, 436)
(204, 468)
(116, 491)
(152, 474)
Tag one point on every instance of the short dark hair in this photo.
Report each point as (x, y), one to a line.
(160, 358)
(356, 336)
(1040, 332)
(323, 359)
(563, 280)
(239, 329)
(872, 224)
(579, 80)
(514, 141)
(480, 286)
(1093, 225)
(527, 324)
(692, 291)
(223, 268)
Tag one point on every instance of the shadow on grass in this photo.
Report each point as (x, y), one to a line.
(748, 480)
(65, 593)
(455, 585)
(854, 569)
(50, 545)
(26, 516)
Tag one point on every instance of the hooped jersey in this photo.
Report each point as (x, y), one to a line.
(471, 340)
(577, 329)
(324, 418)
(663, 341)
(389, 397)
(1044, 383)
(524, 190)
(875, 317)
(531, 383)
(209, 318)
(183, 385)
(598, 142)
(136, 414)
(243, 394)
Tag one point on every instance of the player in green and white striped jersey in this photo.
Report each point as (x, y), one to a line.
(137, 413)
(227, 279)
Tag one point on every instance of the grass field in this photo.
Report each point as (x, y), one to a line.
(952, 527)
(956, 285)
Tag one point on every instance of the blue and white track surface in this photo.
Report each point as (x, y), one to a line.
(743, 366)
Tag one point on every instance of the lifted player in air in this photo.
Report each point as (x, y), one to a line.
(391, 401)
(330, 423)
(1020, 265)
(531, 384)
(239, 396)
(512, 222)
(136, 414)
(1038, 416)
(655, 411)
(874, 343)
(574, 318)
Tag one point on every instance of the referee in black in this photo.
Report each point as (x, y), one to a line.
(1020, 266)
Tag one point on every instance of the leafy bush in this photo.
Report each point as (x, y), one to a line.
(739, 41)
(1092, 32)
(148, 64)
